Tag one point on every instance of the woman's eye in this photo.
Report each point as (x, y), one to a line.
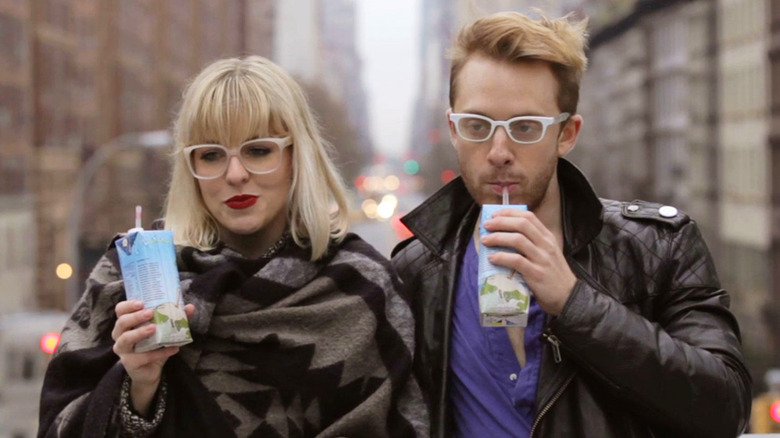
(256, 151)
(211, 155)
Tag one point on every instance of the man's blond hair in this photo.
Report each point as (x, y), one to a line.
(514, 37)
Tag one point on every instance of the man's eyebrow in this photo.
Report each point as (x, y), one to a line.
(478, 113)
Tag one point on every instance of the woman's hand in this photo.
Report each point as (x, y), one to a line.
(144, 369)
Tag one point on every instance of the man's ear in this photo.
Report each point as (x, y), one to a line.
(568, 136)
(453, 133)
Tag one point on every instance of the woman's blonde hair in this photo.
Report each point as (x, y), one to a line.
(231, 101)
(514, 37)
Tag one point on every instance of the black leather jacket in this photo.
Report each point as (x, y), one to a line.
(645, 345)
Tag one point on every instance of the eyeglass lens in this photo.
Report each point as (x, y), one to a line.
(477, 129)
(258, 157)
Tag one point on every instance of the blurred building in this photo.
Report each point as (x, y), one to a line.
(772, 309)
(343, 67)
(18, 256)
(316, 41)
(430, 143)
(77, 74)
(80, 74)
(676, 104)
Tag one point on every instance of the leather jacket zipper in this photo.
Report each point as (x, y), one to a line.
(556, 346)
(556, 351)
(548, 406)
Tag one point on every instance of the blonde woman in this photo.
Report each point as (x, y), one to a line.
(299, 328)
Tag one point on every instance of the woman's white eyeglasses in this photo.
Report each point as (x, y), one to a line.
(259, 156)
(523, 129)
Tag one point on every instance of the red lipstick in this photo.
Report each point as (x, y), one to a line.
(240, 202)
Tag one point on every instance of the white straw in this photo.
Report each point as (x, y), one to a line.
(138, 216)
(506, 196)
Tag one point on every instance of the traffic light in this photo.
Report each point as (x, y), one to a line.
(448, 175)
(49, 342)
(411, 167)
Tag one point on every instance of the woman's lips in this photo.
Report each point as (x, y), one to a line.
(241, 202)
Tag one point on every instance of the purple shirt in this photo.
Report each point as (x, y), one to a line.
(490, 393)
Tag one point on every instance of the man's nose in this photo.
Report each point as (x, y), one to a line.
(500, 153)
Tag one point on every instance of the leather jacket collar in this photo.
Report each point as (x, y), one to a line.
(442, 215)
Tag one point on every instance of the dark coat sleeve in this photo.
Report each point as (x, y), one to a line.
(681, 367)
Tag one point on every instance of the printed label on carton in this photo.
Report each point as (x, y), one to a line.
(148, 263)
(504, 297)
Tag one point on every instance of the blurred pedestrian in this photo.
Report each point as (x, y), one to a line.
(629, 332)
(299, 328)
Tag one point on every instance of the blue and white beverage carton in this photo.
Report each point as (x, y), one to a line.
(504, 297)
(148, 263)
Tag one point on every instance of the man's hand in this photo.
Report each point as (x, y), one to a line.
(539, 257)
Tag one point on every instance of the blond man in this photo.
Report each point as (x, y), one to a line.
(629, 332)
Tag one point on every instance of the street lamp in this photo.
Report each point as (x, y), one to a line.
(146, 139)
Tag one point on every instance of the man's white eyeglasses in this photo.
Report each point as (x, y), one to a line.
(259, 156)
(523, 129)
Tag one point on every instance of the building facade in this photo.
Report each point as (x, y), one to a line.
(18, 255)
(772, 309)
(81, 75)
(77, 75)
(676, 104)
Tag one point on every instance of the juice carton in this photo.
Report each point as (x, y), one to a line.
(504, 297)
(148, 263)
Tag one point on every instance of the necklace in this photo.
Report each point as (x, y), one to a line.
(273, 249)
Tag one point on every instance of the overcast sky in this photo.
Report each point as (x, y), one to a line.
(388, 40)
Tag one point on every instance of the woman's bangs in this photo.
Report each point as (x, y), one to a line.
(231, 113)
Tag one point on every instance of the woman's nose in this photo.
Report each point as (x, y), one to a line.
(236, 172)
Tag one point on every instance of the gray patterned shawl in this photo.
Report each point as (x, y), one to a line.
(282, 347)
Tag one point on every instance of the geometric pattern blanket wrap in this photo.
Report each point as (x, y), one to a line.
(283, 347)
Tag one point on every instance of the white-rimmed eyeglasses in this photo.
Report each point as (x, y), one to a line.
(259, 156)
(523, 129)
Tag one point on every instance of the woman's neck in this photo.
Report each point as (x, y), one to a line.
(253, 245)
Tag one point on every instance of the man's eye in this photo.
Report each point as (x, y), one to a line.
(476, 125)
(526, 126)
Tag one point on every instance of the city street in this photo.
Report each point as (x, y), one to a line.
(377, 233)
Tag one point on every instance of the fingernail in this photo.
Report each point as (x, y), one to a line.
(148, 313)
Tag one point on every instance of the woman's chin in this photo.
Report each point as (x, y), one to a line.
(243, 227)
